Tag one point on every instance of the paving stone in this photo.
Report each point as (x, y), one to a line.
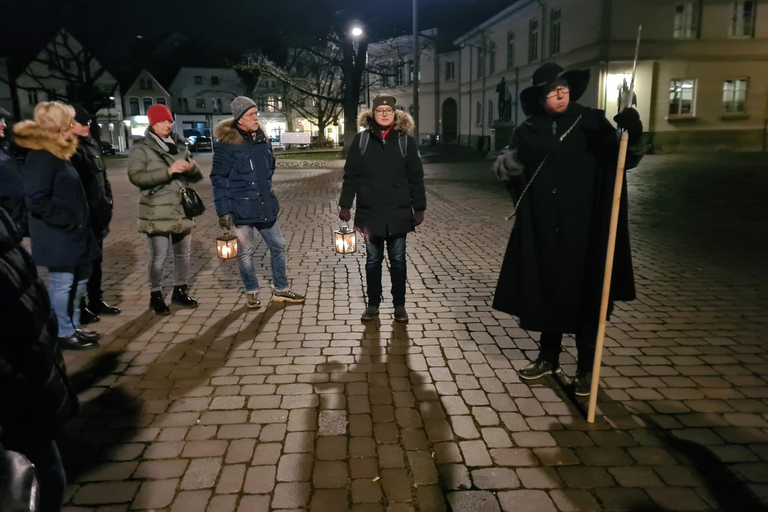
(291, 495)
(363, 468)
(191, 501)
(260, 479)
(584, 477)
(365, 491)
(331, 474)
(105, 492)
(155, 494)
(495, 478)
(327, 500)
(624, 499)
(677, 498)
(201, 473)
(332, 423)
(526, 500)
(331, 448)
(396, 485)
(473, 501)
(455, 476)
(539, 478)
(635, 477)
(258, 503)
(475, 453)
(294, 467)
(573, 500)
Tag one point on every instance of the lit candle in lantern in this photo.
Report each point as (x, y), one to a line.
(226, 246)
(345, 240)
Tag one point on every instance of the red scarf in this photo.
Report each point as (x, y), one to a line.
(385, 131)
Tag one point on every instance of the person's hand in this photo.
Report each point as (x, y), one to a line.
(629, 120)
(418, 218)
(226, 222)
(345, 214)
(179, 166)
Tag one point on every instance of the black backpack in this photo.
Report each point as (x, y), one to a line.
(402, 141)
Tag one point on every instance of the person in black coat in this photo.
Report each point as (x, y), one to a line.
(59, 219)
(383, 170)
(552, 274)
(37, 397)
(92, 170)
(11, 178)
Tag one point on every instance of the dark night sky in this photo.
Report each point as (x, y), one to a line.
(239, 25)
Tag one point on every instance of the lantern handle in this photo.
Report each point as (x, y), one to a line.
(344, 225)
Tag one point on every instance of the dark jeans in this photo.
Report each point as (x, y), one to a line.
(94, 282)
(397, 271)
(552, 344)
(44, 454)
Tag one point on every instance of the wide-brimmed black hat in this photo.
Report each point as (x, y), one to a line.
(577, 80)
(82, 116)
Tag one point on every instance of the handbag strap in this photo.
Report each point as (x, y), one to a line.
(536, 173)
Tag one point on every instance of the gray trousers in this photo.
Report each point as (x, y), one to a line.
(159, 247)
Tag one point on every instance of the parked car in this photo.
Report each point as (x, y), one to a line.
(199, 143)
(107, 148)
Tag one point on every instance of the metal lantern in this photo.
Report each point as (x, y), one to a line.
(226, 246)
(345, 240)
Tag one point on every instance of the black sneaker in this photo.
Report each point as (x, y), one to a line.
(401, 315)
(75, 342)
(582, 383)
(370, 314)
(537, 369)
(288, 296)
(86, 334)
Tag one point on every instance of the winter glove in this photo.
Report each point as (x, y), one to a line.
(418, 218)
(345, 214)
(226, 222)
(629, 120)
(508, 165)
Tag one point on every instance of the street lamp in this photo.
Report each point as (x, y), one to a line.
(357, 31)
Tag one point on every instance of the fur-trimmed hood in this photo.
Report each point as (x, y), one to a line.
(403, 122)
(226, 133)
(28, 134)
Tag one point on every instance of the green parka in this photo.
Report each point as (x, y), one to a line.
(160, 210)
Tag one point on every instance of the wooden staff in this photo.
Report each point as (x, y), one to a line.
(607, 277)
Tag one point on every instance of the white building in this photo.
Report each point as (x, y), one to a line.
(201, 98)
(61, 71)
(144, 92)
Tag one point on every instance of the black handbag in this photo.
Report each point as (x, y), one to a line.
(191, 202)
(19, 490)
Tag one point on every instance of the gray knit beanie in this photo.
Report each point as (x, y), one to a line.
(240, 106)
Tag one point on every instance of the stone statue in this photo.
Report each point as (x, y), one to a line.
(505, 101)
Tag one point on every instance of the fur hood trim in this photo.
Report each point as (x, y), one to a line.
(226, 133)
(403, 124)
(28, 134)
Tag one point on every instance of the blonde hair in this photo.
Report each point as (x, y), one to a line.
(54, 116)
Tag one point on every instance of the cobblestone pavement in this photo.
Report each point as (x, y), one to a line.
(302, 407)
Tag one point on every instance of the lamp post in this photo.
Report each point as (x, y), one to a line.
(416, 71)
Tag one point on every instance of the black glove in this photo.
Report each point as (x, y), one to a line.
(226, 222)
(345, 214)
(629, 120)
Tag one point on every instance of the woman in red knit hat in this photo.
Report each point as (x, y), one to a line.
(161, 166)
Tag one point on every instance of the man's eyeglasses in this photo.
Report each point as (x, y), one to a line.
(252, 114)
(384, 111)
(558, 90)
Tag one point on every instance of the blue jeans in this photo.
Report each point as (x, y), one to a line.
(397, 269)
(67, 286)
(246, 246)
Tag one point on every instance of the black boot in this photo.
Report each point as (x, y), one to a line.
(157, 304)
(181, 297)
(87, 316)
(75, 342)
(100, 307)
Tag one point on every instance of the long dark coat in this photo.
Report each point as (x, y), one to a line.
(12, 189)
(553, 268)
(389, 188)
(93, 174)
(36, 396)
(242, 176)
(59, 219)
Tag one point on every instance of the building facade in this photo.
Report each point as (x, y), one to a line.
(702, 72)
(144, 92)
(201, 98)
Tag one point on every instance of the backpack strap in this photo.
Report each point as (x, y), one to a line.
(364, 138)
(402, 141)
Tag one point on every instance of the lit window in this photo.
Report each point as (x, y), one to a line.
(681, 97)
(735, 96)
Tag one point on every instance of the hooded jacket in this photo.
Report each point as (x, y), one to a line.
(160, 210)
(389, 187)
(90, 166)
(242, 175)
(59, 220)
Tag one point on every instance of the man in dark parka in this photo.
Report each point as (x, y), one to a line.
(90, 166)
(553, 269)
(387, 178)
